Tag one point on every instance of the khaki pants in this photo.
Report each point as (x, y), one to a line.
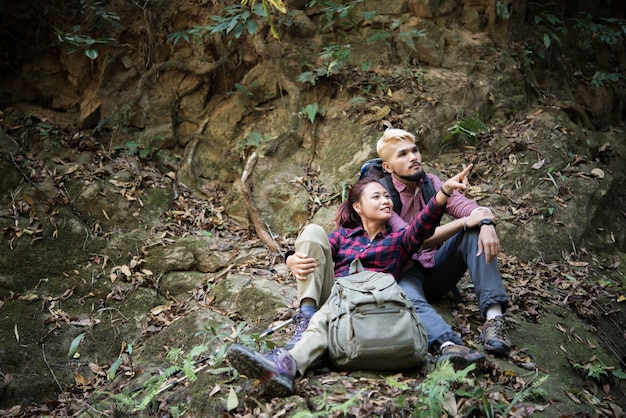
(313, 241)
(314, 342)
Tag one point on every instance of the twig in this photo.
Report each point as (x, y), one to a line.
(45, 360)
(552, 180)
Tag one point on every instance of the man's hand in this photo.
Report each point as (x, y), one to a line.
(488, 242)
(301, 265)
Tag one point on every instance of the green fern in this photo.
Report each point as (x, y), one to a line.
(469, 128)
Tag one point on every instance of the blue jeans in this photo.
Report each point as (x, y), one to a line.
(456, 256)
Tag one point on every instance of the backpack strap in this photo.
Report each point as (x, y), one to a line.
(356, 266)
(428, 191)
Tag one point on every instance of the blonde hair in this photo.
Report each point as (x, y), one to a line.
(390, 137)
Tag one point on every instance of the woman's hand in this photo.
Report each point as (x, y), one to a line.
(453, 183)
(457, 182)
(301, 265)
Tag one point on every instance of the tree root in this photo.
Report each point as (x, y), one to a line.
(255, 216)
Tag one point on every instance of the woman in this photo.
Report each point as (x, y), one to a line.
(363, 235)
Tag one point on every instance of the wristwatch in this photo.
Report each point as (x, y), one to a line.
(486, 222)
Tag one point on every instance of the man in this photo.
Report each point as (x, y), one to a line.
(441, 263)
(466, 244)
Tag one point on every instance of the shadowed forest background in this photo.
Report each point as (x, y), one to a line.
(159, 157)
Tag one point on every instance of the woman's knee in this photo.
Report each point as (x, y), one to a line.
(313, 233)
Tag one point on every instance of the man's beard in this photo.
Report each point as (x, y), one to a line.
(414, 177)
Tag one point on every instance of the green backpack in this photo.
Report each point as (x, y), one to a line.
(372, 325)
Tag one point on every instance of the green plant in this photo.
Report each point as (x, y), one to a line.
(434, 391)
(470, 128)
(267, 6)
(98, 27)
(552, 24)
(610, 31)
(251, 142)
(46, 129)
(324, 408)
(597, 370)
(411, 36)
(85, 43)
(386, 36)
(241, 90)
(502, 10)
(183, 366)
(132, 147)
(527, 58)
(334, 57)
(334, 12)
(532, 391)
(73, 350)
(136, 400)
(236, 20)
(311, 110)
(601, 78)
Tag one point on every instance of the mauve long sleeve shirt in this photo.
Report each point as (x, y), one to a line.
(458, 206)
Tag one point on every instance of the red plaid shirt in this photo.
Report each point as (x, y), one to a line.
(387, 252)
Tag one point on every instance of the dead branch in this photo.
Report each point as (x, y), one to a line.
(258, 223)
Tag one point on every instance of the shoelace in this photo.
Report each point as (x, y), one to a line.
(499, 328)
(301, 323)
(277, 355)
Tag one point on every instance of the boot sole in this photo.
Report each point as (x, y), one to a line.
(249, 363)
(460, 362)
(500, 351)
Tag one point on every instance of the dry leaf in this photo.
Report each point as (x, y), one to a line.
(161, 308)
(215, 390)
(573, 397)
(126, 270)
(233, 401)
(87, 322)
(79, 379)
(597, 172)
(382, 112)
(539, 164)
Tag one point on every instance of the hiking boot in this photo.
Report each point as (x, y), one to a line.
(276, 369)
(494, 338)
(460, 356)
(302, 323)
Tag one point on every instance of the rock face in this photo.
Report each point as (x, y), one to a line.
(120, 176)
